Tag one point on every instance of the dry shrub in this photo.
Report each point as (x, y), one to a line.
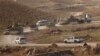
(97, 49)
(83, 51)
(53, 47)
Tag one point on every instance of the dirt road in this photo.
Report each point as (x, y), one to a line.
(93, 44)
(9, 40)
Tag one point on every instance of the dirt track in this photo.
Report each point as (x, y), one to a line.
(9, 40)
(93, 44)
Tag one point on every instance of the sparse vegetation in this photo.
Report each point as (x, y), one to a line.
(53, 49)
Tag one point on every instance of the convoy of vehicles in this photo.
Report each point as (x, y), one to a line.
(69, 39)
(86, 19)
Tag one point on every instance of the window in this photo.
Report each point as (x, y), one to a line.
(22, 38)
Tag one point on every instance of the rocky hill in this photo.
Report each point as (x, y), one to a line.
(12, 12)
(61, 8)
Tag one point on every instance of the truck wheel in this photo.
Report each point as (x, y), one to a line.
(80, 41)
(65, 41)
(76, 41)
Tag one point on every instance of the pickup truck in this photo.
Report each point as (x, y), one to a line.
(20, 40)
(73, 39)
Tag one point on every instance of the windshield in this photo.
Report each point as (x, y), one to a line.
(69, 38)
(22, 38)
(77, 37)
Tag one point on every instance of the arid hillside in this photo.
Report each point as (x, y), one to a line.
(12, 12)
(61, 8)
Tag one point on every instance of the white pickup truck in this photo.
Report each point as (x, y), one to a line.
(73, 39)
(20, 40)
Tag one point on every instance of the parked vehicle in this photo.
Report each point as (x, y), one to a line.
(20, 40)
(73, 39)
(86, 19)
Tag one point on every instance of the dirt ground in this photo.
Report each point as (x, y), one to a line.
(24, 51)
(56, 34)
